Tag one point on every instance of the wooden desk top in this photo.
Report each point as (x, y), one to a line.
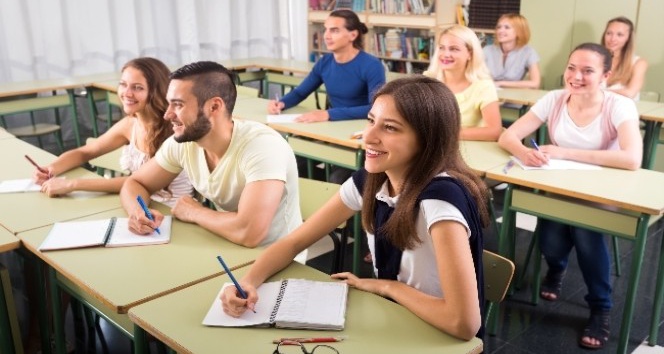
(271, 64)
(373, 324)
(25, 211)
(255, 108)
(639, 191)
(8, 241)
(656, 114)
(338, 132)
(9, 89)
(123, 277)
(108, 85)
(482, 156)
(526, 97)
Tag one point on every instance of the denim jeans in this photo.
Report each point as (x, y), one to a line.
(556, 243)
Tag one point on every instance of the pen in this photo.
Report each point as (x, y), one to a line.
(532, 141)
(41, 169)
(146, 210)
(310, 340)
(237, 285)
(277, 97)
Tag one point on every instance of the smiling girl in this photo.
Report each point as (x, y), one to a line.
(628, 70)
(459, 63)
(421, 206)
(585, 124)
(142, 90)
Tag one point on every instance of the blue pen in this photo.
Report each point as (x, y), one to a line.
(532, 141)
(237, 285)
(147, 211)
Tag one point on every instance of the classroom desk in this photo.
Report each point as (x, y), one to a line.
(653, 119)
(10, 335)
(112, 280)
(373, 324)
(624, 204)
(24, 211)
(255, 108)
(526, 97)
(12, 92)
(482, 156)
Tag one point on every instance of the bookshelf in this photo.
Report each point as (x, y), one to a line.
(402, 33)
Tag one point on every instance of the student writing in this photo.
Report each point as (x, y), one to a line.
(422, 208)
(253, 188)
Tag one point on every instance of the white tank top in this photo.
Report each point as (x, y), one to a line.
(131, 160)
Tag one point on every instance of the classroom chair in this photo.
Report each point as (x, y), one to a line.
(34, 103)
(113, 111)
(250, 76)
(313, 195)
(247, 91)
(498, 273)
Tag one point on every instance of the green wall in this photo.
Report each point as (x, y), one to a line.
(558, 26)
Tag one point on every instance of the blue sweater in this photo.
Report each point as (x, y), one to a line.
(350, 86)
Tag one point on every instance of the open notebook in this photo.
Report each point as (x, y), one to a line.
(289, 303)
(19, 186)
(282, 118)
(556, 164)
(113, 232)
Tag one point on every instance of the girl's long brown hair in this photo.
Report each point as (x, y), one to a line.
(431, 109)
(156, 74)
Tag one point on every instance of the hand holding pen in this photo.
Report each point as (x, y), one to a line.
(275, 106)
(538, 157)
(147, 213)
(230, 309)
(41, 174)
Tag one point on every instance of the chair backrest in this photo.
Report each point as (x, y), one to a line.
(498, 273)
(313, 194)
(650, 96)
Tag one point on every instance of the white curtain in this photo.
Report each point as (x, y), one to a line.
(42, 39)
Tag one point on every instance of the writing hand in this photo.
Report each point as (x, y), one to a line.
(234, 305)
(41, 175)
(275, 107)
(141, 225)
(186, 208)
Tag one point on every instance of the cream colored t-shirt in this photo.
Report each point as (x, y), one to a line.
(473, 99)
(255, 153)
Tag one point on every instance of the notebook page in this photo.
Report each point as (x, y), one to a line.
(282, 118)
(557, 164)
(267, 298)
(77, 234)
(123, 237)
(313, 304)
(19, 185)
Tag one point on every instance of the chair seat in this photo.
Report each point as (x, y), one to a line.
(34, 130)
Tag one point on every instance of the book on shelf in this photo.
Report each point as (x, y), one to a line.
(343, 4)
(289, 303)
(113, 232)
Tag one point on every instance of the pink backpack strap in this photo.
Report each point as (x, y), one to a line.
(554, 116)
(609, 131)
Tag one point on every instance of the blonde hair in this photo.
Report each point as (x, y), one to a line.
(623, 72)
(520, 25)
(476, 68)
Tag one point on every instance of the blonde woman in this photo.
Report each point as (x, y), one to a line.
(459, 63)
(510, 58)
(628, 70)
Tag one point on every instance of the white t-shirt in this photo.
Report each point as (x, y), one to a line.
(418, 265)
(255, 153)
(569, 135)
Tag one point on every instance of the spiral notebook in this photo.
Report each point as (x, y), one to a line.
(113, 232)
(289, 303)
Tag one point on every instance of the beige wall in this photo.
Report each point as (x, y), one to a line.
(558, 26)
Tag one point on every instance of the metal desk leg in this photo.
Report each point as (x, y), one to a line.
(74, 117)
(637, 262)
(650, 142)
(58, 317)
(657, 306)
(140, 340)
